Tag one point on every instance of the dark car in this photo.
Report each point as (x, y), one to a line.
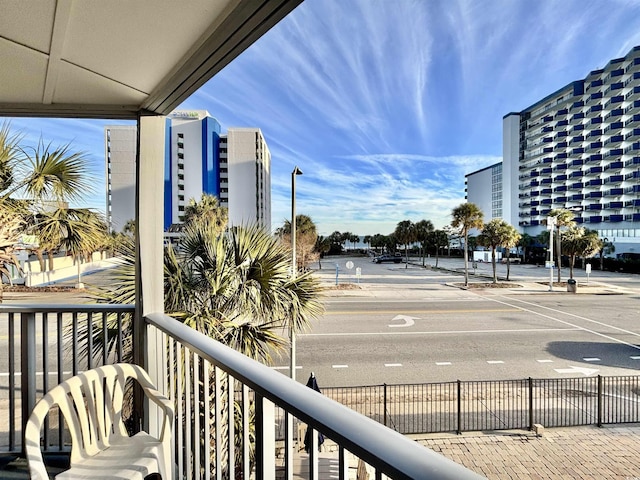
(387, 258)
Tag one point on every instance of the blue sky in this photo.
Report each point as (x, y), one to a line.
(385, 105)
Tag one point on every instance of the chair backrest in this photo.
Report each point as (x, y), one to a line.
(91, 403)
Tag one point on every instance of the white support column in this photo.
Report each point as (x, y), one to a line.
(148, 350)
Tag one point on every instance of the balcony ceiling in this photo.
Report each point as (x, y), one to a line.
(115, 58)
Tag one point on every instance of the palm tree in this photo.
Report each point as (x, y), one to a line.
(43, 174)
(367, 241)
(405, 233)
(580, 242)
(354, 239)
(236, 288)
(525, 242)
(79, 232)
(563, 219)
(439, 239)
(423, 229)
(306, 236)
(466, 216)
(498, 233)
(607, 249)
(207, 209)
(323, 245)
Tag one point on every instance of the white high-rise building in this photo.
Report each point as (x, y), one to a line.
(235, 167)
(578, 149)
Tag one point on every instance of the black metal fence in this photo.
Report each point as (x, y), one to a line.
(496, 405)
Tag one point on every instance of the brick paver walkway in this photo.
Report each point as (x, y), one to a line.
(561, 453)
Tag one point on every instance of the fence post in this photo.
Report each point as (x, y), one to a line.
(384, 404)
(459, 398)
(599, 400)
(27, 367)
(530, 403)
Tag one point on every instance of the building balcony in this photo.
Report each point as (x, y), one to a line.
(595, 182)
(614, 127)
(593, 171)
(561, 124)
(535, 203)
(632, 135)
(614, 141)
(632, 149)
(561, 135)
(577, 140)
(593, 195)
(546, 191)
(613, 205)
(560, 166)
(633, 203)
(546, 201)
(562, 113)
(594, 98)
(633, 121)
(632, 175)
(593, 146)
(614, 152)
(576, 186)
(576, 174)
(545, 181)
(595, 121)
(595, 158)
(614, 180)
(616, 218)
(201, 377)
(633, 94)
(614, 166)
(594, 111)
(577, 197)
(633, 162)
(547, 118)
(577, 162)
(560, 146)
(577, 118)
(576, 106)
(546, 160)
(560, 200)
(614, 192)
(546, 170)
(577, 151)
(595, 219)
(558, 179)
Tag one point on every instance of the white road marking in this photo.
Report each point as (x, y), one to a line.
(408, 321)
(544, 361)
(392, 364)
(591, 359)
(298, 367)
(573, 370)
(339, 366)
(637, 347)
(356, 334)
(443, 363)
(634, 357)
(494, 362)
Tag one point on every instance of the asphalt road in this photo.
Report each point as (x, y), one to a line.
(442, 333)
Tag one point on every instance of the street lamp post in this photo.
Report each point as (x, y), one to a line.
(294, 269)
(551, 223)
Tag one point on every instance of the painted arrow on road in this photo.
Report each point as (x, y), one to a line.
(408, 321)
(585, 371)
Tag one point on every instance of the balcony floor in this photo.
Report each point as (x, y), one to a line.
(570, 452)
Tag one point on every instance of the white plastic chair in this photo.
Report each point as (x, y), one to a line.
(91, 404)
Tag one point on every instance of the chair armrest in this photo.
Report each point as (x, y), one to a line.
(163, 402)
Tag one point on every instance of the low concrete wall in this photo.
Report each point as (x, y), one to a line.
(64, 268)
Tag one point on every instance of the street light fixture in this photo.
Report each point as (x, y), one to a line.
(294, 269)
(551, 223)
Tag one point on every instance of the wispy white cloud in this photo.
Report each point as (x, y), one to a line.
(386, 105)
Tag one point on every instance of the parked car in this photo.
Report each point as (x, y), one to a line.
(387, 258)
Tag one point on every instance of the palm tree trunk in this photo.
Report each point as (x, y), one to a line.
(466, 261)
(493, 264)
(559, 253)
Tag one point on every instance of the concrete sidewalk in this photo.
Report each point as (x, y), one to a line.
(611, 452)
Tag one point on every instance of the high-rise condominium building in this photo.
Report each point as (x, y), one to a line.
(235, 167)
(578, 149)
